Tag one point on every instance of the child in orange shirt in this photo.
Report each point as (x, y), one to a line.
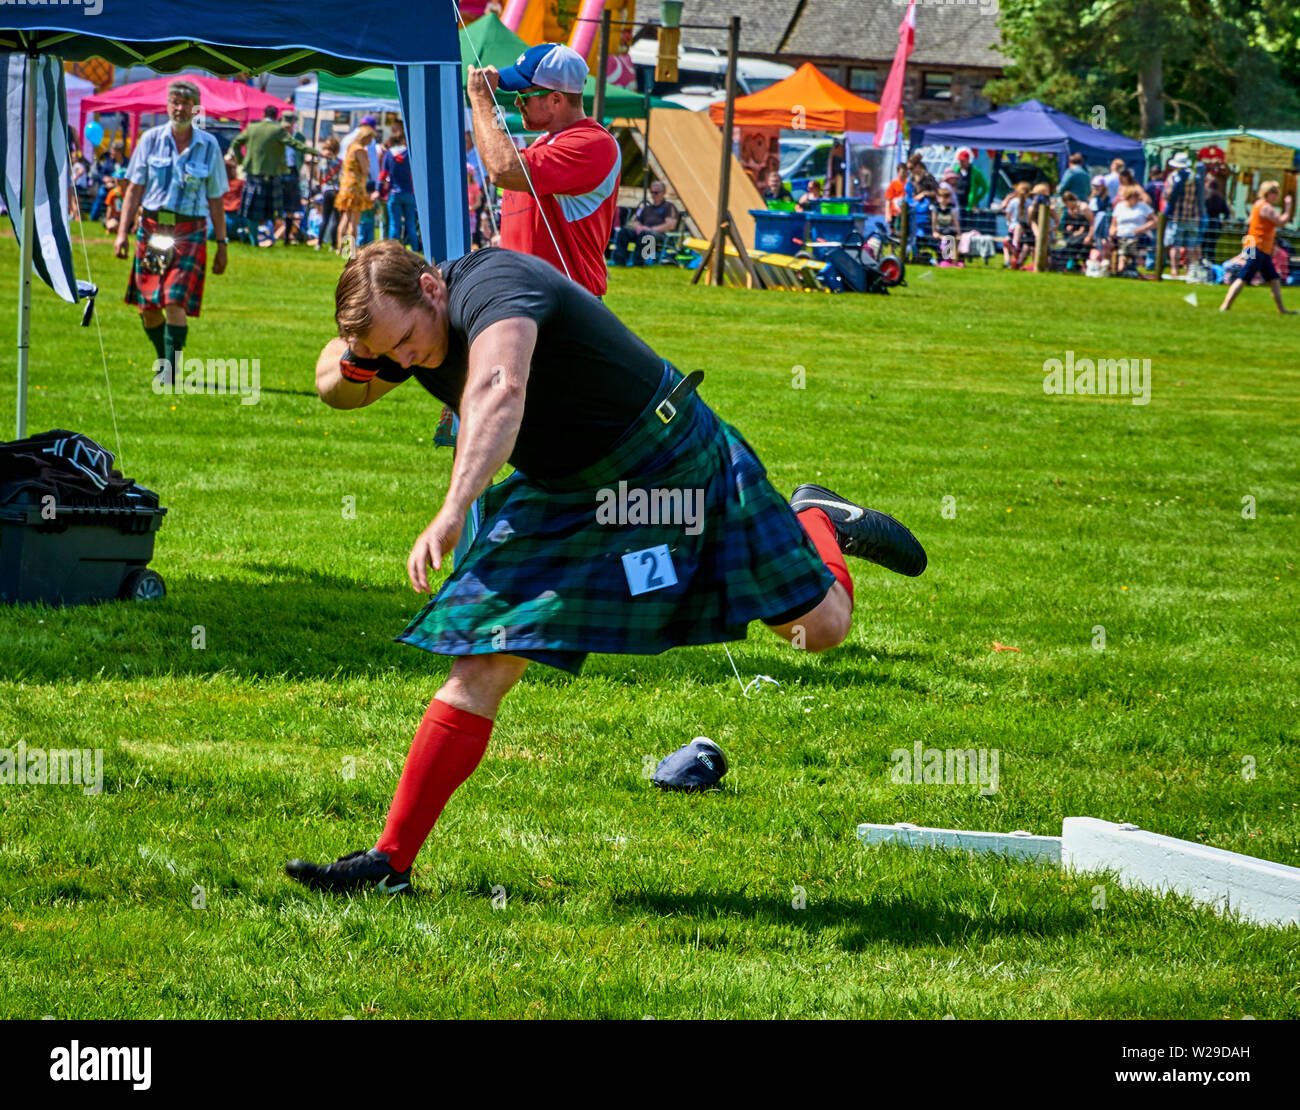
(896, 191)
(113, 201)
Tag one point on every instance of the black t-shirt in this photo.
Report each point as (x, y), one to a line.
(655, 215)
(1075, 224)
(590, 376)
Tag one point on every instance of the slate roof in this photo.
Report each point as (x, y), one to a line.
(951, 33)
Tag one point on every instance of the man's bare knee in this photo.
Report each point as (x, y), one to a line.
(825, 626)
(477, 683)
(829, 630)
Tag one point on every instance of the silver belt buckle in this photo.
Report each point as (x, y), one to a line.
(665, 410)
(159, 253)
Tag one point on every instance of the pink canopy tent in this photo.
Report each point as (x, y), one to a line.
(227, 99)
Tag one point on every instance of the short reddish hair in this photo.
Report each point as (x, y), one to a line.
(382, 269)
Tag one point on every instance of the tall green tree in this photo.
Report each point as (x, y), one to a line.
(1150, 66)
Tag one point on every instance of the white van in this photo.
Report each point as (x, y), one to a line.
(702, 74)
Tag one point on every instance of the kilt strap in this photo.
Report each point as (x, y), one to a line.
(667, 408)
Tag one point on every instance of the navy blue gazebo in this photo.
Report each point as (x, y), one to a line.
(1034, 126)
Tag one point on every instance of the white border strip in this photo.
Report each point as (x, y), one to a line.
(1258, 889)
(1018, 845)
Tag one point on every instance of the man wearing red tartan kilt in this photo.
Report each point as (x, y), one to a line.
(177, 177)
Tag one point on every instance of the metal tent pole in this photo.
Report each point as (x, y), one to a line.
(28, 204)
(602, 64)
(724, 177)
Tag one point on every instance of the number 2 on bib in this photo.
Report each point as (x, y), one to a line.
(649, 569)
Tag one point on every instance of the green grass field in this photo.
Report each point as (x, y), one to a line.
(283, 736)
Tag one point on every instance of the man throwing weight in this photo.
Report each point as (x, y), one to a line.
(597, 426)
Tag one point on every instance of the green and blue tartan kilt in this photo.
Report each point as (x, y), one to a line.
(182, 282)
(544, 577)
(263, 198)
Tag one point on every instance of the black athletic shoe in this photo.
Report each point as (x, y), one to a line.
(354, 871)
(864, 532)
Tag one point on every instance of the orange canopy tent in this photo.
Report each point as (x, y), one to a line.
(806, 100)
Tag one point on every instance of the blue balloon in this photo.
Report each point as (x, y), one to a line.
(94, 132)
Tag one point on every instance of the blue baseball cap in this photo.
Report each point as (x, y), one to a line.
(549, 65)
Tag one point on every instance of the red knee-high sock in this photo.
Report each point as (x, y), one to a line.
(448, 746)
(822, 533)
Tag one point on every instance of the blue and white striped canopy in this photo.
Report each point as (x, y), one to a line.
(51, 246)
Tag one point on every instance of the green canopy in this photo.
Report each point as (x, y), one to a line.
(376, 83)
(495, 45)
(493, 42)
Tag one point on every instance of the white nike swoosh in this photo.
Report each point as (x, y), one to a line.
(854, 512)
(384, 888)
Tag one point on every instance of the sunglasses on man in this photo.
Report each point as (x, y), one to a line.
(520, 97)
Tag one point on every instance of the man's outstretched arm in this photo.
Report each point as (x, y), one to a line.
(491, 412)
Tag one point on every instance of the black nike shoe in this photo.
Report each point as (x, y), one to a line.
(864, 532)
(354, 871)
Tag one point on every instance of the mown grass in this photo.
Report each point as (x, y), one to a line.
(284, 734)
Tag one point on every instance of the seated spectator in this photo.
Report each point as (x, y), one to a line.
(104, 173)
(896, 193)
(315, 222)
(231, 202)
(1131, 222)
(775, 188)
(113, 201)
(945, 222)
(809, 199)
(1076, 225)
(649, 226)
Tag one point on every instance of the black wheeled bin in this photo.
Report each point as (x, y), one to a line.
(80, 549)
(72, 529)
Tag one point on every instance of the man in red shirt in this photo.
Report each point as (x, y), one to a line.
(561, 193)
